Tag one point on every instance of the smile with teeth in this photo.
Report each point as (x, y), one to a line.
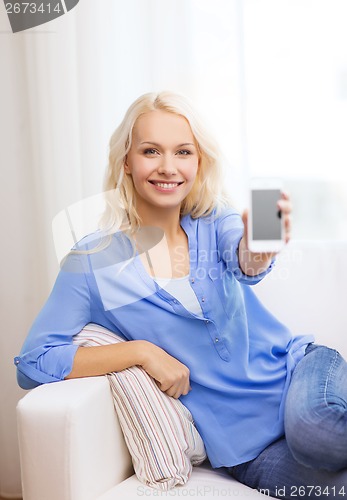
(166, 185)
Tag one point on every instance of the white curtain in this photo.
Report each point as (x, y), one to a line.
(64, 88)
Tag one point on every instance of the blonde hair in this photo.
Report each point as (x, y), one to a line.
(207, 191)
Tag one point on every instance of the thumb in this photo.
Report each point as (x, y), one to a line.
(245, 223)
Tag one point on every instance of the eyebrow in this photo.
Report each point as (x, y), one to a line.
(158, 145)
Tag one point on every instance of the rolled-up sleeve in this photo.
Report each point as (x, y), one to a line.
(229, 234)
(48, 353)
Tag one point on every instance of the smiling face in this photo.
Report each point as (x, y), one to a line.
(163, 160)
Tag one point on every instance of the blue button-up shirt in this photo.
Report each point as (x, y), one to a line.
(240, 357)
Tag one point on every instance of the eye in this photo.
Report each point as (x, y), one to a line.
(150, 151)
(184, 152)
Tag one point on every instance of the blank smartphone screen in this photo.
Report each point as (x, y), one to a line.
(266, 224)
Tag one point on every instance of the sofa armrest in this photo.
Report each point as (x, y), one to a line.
(71, 444)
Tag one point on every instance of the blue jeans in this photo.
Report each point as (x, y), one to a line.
(311, 459)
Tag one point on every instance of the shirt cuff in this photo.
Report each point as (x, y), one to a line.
(251, 280)
(52, 366)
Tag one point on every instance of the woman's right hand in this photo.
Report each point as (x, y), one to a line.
(171, 375)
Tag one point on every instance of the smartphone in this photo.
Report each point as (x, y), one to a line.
(265, 227)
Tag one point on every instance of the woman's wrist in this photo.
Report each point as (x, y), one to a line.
(251, 263)
(144, 351)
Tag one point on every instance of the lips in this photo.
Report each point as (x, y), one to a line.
(166, 185)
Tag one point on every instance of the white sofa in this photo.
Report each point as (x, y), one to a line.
(71, 445)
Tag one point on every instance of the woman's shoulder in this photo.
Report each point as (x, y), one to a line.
(217, 215)
(95, 250)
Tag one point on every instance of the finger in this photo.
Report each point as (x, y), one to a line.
(287, 223)
(245, 224)
(183, 389)
(285, 206)
(245, 218)
(172, 391)
(176, 394)
(187, 390)
(168, 386)
(285, 195)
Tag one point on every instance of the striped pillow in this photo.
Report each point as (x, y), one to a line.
(158, 429)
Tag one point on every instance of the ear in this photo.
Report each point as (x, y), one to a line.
(126, 166)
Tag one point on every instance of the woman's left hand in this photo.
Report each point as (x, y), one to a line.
(253, 263)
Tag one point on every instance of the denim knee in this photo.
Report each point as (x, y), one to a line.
(316, 411)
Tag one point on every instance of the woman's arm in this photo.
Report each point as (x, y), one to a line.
(171, 375)
(99, 360)
(48, 351)
(251, 263)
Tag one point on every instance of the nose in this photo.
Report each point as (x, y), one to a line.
(167, 167)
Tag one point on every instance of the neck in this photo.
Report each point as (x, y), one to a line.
(166, 219)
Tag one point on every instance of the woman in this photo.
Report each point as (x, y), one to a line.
(170, 272)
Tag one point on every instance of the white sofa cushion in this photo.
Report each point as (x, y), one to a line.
(205, 483)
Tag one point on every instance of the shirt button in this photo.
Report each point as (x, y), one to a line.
(216, 339)
(193, 280)
(17, 361)
(203, 299)
(175, 301)
(206, 321)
